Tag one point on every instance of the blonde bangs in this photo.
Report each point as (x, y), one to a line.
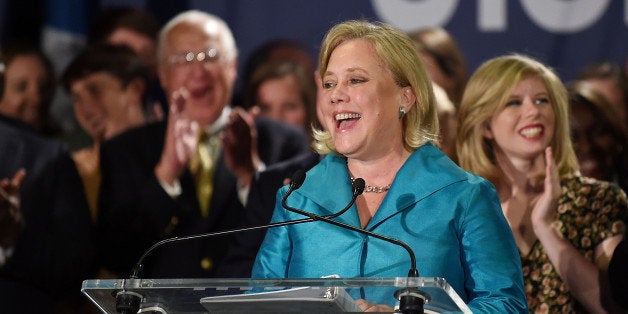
(397, 51)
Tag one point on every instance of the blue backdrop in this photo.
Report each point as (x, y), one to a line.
(564, 34)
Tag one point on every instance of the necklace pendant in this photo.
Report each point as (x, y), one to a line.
(374, 188)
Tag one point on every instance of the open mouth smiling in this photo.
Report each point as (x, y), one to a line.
(344, 120)
(532, 132)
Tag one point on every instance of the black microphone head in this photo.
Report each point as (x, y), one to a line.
(297, 179)
(358, 186)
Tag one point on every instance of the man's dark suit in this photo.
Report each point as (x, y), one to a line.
(618, 274)
(54, 251)
(259, 210)
(135, 211)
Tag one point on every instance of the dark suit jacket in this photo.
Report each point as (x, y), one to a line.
(135, 212)
(259, 209)
(618, 274)
(54, 251)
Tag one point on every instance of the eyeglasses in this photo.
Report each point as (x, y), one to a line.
(211, 55)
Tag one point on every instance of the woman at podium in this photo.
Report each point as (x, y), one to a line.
(380, 124)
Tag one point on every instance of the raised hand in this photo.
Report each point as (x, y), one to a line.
(239, 141)
(546, 203)
(181, 140)
(10, 213)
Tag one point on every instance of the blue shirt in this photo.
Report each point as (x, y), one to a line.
(450, 218)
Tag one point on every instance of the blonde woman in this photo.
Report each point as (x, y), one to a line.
(379, 116)
(514, 131)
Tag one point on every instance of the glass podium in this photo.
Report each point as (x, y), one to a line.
(298, 295)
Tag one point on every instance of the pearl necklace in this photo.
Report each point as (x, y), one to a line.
(374, 188)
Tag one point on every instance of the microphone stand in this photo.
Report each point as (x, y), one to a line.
(411, 299)
(128, 302)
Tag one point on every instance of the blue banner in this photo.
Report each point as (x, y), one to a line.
(566, 35)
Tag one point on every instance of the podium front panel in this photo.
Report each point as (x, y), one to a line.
(233, 295)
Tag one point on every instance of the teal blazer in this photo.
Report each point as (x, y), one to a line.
(451, 219)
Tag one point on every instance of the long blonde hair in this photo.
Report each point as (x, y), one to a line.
(487, 93)
(397, 51)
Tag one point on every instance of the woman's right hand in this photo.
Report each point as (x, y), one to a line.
(546, 203)
(367, 306)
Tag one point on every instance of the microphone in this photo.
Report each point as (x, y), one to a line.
(411, 299)
(128, 302)
(297, 180)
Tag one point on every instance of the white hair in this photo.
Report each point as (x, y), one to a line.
(210, 23)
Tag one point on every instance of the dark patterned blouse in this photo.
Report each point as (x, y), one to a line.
(589, 212)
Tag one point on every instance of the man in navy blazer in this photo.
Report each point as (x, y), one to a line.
(259, 210)
(43, 263)
(148, 191)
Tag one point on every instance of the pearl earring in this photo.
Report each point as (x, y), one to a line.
(402, 112)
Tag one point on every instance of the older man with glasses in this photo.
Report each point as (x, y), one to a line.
(191, 173)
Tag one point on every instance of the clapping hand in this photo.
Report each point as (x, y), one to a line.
(239, 140)
(545, 204)
(10, 213)
(181, 140)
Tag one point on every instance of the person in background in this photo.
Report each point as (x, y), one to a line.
(282, 91)
(191, 173)
(261, 200)
(276, 50)
(10, 213)
(27, 85)
(599, 135)
(108, 85)
(259, 210)
(46, 241)
(444, 61)
(513, 129)
(447, 120)
(137, 29)
(610, 80)
(379, 118)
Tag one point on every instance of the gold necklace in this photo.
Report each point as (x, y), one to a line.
(374, 188)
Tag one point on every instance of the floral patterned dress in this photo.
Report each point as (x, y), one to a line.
(589, 212)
